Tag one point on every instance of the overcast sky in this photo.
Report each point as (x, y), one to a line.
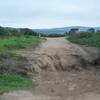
(49, 13)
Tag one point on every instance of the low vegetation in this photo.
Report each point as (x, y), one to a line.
(13, 42)
(14, 68)
(88, 39)
(13, 82)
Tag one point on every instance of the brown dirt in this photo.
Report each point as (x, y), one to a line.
(62, 71)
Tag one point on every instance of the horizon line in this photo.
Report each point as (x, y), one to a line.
(52, 27)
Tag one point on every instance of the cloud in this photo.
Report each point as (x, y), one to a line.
(49, 13)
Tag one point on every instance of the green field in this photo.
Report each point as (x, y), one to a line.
(14, 82)
(87, 39)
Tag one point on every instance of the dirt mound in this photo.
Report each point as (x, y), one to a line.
(10, 63)
(59, 54)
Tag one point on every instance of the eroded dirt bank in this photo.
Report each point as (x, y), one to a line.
(62, 71)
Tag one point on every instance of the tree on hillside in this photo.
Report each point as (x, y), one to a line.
(98, 31)
(91, 30)
(73, 31)
(3, 31)
(12, 31)
(27, 31)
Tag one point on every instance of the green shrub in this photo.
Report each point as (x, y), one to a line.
(88, 39)
(84, 35)
(3, 31)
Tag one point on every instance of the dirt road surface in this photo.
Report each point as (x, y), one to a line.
(62, 71)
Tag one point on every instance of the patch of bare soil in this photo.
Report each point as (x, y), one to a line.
(11, 63)
(62, 71)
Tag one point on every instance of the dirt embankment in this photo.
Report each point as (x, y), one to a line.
(62, 71)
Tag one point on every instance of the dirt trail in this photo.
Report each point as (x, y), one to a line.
(58, 54)
(59, 73)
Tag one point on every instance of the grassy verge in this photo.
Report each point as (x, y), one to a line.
(12, 43)
(88, 39)
(13, 82)
(12, 63)
(14, 67)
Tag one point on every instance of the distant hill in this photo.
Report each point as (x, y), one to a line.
(97, 28)
(62, 30)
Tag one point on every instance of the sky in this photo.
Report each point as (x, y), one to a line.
(49, 13)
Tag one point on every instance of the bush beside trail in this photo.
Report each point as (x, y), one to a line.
(86, 38)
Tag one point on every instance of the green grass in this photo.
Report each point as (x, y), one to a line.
(12, 43)
(10, 62)
(14, 82)
(88, 39)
